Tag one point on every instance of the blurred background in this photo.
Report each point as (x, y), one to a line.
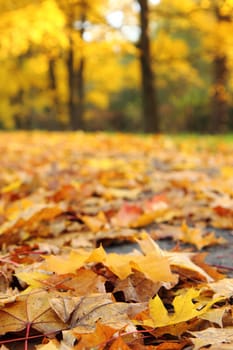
(128, 65)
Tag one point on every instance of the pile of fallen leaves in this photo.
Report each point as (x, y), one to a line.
(65, 197)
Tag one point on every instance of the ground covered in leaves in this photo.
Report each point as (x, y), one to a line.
(68, 200)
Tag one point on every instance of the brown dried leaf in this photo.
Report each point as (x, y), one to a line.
(30, 311)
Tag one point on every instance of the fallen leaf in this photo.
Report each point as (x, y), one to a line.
(119, 344)
(63, 199)
(212, 336)
(184, 309)
(95, 223)
(51, 345)
(223, 287)
(171, 346)
(64, 306)
(179, 260)
(32, 278)
(127, 215)
(30, 311)
(101, 335)
(102, 308)
(215, 316)
(199, 237)
(65, 264)
(137, 288)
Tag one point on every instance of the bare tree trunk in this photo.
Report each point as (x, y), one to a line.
(71, 86)
(18, 118)
(81, 91)
(149, 98)
(220, 112)
(76, 79)
(76, 90)
(53, 122)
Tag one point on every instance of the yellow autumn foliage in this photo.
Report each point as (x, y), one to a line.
(186, 307)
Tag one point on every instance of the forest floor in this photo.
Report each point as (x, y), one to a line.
(116, 241)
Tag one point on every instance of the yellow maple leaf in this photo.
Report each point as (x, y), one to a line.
(154, 266)
(184, 309)
(32, 278)
(197, 237)
(65, 264)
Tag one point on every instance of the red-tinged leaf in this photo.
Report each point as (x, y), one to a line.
(222, 211)
(127, 214)
(156, 202)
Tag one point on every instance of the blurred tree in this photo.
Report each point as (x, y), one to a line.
(223, 11)
(94, 58)
(75, 13)
(212, 22)
(173, 50)
(60, 58)
(149, 91)
(31, 33)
